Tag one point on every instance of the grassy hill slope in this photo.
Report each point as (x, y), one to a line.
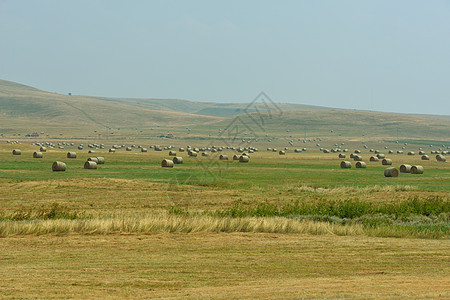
(26, 108)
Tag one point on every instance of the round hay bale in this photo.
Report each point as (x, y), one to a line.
(172, 153)
(346, 164)
(386, 162)
(38, 154)
(342, 155)
(181, 149)
(374, 158)
(223, 157)
(440, 157)
(43, 149)
(177, 160)
(91, 151)
(71, 155)
(128, 149)
(352, 155)
(390, 151)
(391, 172)
(411, 153)
(405, 168)
(421, 152)
(94, 159)
(244, 159)
(298, 150)
(381, 156)
(205, 154)
(90, 165)
(58, 166)
(357, 151)
(361, 165)
(100, 160)
(399, 152)
(112, 150)
(425, 157)
(144, 150)
(282, 152)
(416, 170)
(167, 163)
(193, 154)
(236, 157)
(16, 152)
(357, 158)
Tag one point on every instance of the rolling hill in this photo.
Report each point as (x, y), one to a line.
(26, 109)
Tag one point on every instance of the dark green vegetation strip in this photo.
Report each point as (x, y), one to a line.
(423, 217)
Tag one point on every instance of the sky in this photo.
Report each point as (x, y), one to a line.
(384, 55)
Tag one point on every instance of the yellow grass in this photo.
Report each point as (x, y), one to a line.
(172, 223)
(223, 266)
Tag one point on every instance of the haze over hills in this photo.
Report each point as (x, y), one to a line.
(27, 108)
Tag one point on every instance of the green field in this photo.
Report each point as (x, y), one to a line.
(280, 226)
(204, 221)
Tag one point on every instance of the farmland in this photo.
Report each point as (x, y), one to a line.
(279, 226)
(221, 227)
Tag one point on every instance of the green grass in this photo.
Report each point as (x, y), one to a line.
(298, 186)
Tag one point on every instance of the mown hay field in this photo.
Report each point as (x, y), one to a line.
(286, 226)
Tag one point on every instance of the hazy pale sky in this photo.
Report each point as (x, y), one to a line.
(387, 55)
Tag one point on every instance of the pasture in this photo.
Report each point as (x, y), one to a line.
(286, 226)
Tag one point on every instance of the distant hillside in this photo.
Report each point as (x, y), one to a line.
(364, 125)
(202, 108)
(30, 109)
